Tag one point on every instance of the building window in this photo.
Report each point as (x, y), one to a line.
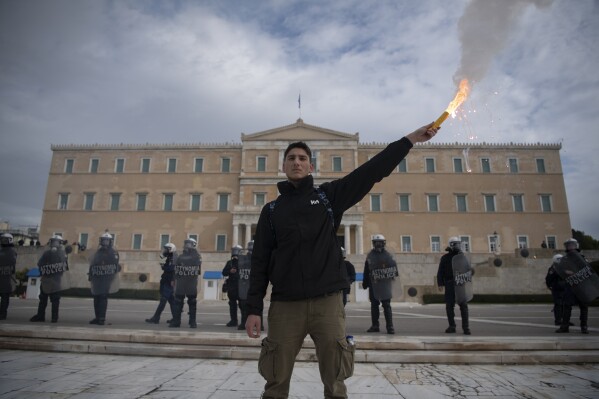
(141, 202)
(461, 203)
(433, 202)
(63, 201)
(435, 244)
(119, 165)
(198, 165)
(223, 202)
(225, 165)
(489, 202)
(164, 239)
(540, 165)
(513, 165)
(93, 165)
(375, 202)
(68, 166)
(314, 160)
(546, 203)
(518, 202)
(83, 238)
(404, 202)
(485, 164)
(88, 203)
(115, 199)
(551, 242)
(194, 202)
(403, 166)
(261, 164)
(493, 243)
(145, 165)
(168, 202)
(221, 242)
(522, 242)
(406, 243)
(259, 199)
(136, 242)
(430, 165)
(172, 165)
(337, 167)
(465, 243)
(458, 166)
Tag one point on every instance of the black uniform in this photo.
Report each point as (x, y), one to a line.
(103, 274)
(375, 299)
(558, 290)
(445, 279)
(187, 270)
(166, 288)
(51, 260)
(8, 262)
(570, 300)
(351, 277)
(231, 272)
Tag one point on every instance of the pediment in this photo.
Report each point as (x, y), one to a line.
(299, 131)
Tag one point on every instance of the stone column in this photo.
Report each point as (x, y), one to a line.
(235, 234)
(360, 240)
(347, 240)
(248, 234)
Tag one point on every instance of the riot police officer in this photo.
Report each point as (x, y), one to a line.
(570, 297)
(380, 270)
(53, 266)
(8, 279)
(351, 275)
(446, 278)
(187, 271)
(231, 271)
(103, 274)
(169, 254)
(558, 288)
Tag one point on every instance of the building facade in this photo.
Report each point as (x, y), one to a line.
(495, 197)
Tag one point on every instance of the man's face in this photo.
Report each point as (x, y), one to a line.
(297, 164)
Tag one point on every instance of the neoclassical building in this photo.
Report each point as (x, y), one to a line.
(496, 197)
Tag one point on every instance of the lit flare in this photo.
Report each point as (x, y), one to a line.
(460, 97)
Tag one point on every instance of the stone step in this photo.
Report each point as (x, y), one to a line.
(369, 349)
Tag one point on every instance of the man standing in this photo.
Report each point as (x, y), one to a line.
(380, 271)
(187, 273)
(53, 266)
(231, 271)
(446, 278)
(296, 250)
(103, 274)
(8, 279)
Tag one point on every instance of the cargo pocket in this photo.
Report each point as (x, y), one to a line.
(267, 360)
(346, 359)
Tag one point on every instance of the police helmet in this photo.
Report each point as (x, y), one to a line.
(571, 243)
(557, 257)
(190, 243)
(236, 250)
(378, 242)
(343, 252)
(455, 243)
(6, 239)
(250, 246)
(56, 241)
(106, 240)
(170, 247)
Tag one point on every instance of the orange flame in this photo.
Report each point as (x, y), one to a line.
(460, 97)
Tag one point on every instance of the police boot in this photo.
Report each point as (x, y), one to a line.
(192, 313)
(55, 306)
(557, 314)
(565, 327)
(584, 316)
(4, 306)
(41, 312)
(450, 318)
(374, 316)
(156, 318)
(388, 319)
(233, 314)
(464, 313)
(176, 321)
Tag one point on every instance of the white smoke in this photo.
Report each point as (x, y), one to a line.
(484, 30)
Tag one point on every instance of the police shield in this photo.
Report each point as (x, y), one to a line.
(383, 271)
(187, 272)
(243, 268)
(104, 272)
(579, 276)
(8, 261)
(462, 275)
(54, 268)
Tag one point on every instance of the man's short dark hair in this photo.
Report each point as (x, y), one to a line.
(298, 144)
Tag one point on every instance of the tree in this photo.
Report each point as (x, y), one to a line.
(585, 241)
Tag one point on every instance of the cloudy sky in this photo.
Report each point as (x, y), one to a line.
(87, 71)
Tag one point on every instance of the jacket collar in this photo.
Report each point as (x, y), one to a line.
(306, 184)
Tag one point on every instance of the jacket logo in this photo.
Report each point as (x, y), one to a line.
(314, 202)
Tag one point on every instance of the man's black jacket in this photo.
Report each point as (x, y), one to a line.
(305, 260)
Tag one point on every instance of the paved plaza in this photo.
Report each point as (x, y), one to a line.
(33, 375)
